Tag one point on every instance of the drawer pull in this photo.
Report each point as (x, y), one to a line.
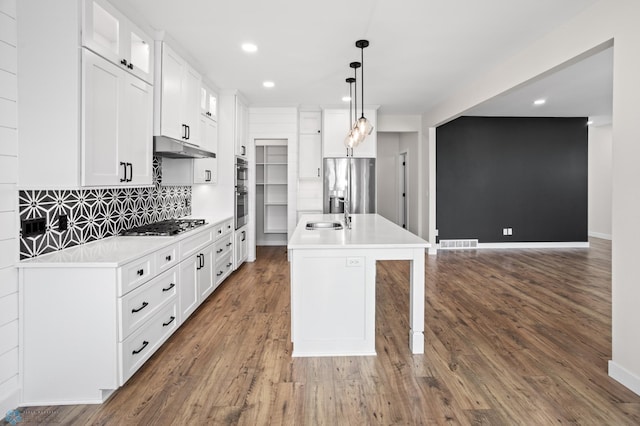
(164, 324)
(169, 288)
(137, 351)
(219, 273)
(144, 305)
(219, 251)
(168, 258)
(229, 264)
(228, 244)
(140, 272)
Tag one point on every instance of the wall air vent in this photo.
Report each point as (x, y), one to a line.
(458, 244)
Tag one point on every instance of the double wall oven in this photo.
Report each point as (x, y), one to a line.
(242, 194)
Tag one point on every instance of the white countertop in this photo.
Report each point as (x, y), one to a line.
(108, 252)
(367, 231)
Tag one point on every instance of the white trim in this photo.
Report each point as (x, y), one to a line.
(624, 376)
(549, 245)
(600, 235)
(568, 244)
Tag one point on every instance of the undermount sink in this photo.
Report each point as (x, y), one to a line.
(330, 224)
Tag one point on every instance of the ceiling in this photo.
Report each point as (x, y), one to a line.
(420, 50)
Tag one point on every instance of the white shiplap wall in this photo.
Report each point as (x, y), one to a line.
(8, 209)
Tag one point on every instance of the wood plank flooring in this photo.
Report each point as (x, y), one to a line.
(512, 337)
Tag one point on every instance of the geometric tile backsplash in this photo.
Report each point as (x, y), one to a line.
(93, 214)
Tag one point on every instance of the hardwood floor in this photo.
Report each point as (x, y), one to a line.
(512, 337)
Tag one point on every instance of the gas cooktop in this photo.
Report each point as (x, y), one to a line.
(164, 228)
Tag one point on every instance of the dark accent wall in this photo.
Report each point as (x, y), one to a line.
(98, 213)
(524, 173)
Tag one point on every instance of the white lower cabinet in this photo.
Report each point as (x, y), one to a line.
(241, 247)
(88, 325)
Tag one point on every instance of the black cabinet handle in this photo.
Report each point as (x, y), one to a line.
(229, 264)
(140, 272)
(208, 175)
(168, 258)
(171, 319)
(144, 305)
(130, 66)
(318, 171)
(184, 131)
(219, 251)
(169, 288)
(124, 172)
(219, 273)
(244, 236)
(123, 62)
(188, 132)
(318, 131)
(244, 150)
(130, 166)
(144, 345)
(219, 231)
(228, 244)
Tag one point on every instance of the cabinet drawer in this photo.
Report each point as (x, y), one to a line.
(134, 274)
(227, 227)
(223, 247)
(136, 349)
(137, 306)
(218, 231)
(167, 258)
(195, 243)
(224, 267)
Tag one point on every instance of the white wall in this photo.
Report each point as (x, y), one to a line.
(8, 210)
(387, 175)
(600, 158)
(603, 24)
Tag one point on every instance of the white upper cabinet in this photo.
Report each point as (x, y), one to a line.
(209, 102)
(94, 125)
(178, 98)
(310, 123)
(117, 118)
(241, 127)
(336, 123)
(310, 145)
(205, 170)
(114, 37)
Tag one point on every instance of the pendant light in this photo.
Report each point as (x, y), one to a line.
(349, 141)
(364, 126)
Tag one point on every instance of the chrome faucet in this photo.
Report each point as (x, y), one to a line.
(346, 208)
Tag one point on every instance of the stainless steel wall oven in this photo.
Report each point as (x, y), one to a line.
(241, 192)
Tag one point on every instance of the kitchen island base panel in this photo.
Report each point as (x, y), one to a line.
(326, 279)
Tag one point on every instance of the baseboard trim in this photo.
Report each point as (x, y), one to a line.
(624, 377)
(550, 245)
(600, 235)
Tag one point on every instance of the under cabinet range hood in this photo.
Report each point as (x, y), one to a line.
(167, 147)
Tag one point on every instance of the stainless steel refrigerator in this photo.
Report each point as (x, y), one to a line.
(337, 174)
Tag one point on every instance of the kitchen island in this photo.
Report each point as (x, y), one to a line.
(333, 280)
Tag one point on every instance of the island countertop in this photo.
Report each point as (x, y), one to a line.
(367, 231)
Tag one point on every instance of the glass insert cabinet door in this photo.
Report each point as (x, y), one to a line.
(113, 36)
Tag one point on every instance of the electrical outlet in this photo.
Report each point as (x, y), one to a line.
(505, 231)
(510, 231)
(354, 261)
(33, 227)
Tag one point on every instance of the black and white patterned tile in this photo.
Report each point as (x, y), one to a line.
(93, 214)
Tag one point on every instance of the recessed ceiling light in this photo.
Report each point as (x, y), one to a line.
(346, 98)
(249, 47)
(539, 102)
(268, 84)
